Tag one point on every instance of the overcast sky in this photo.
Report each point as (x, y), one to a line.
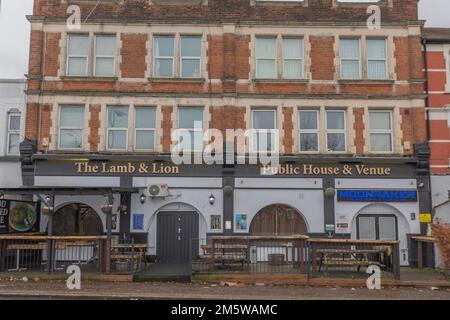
(14, 31)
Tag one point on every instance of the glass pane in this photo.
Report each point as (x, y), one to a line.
(335, 120)
(376, 69)
(189, 117)
(263, 120)
(105, 45)
(72, 117)
(104, 66)
(145, 140)
(71, 139)
(367, 228)
(308, 120)
(164, 46)
(266, 48)
(309, 142)
(380, 120)
(293, 69)
(190, 68)
(146, 117)
(118, 117)
(349, 49)
(117, 139)
(76, 67)
(191, 46)
(381, 142)
(197, 143)
(266, 68)
(78, 45)
(263, 141)
(376, 49)
(14, 122)
(163, 67)
(13, 147)
(336, 141)
(350, 69)
(387, 228)
(293, 48)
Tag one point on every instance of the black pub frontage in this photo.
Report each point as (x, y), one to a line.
(166, 207)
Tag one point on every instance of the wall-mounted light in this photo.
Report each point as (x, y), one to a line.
(212, 199)
(142, 198)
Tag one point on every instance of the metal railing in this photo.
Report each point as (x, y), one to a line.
(53, 253)
(250, 254)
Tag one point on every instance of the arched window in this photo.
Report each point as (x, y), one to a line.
(77, 219)
(278, 219)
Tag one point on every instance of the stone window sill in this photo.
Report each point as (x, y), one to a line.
(76, 78)
(365, 81)
(280, 80)
(180, 80)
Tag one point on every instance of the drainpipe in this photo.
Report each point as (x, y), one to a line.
(427, 89)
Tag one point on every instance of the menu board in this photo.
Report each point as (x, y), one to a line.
(18, 216)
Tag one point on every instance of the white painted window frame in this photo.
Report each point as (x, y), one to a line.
(96, 56)
(69, 56)
(346, 59)
(380, 131)
(385, 60)
(192, 131)
(108, 129)
(309, 131)
(199, 58)
(275, 147)
(301, 58)
(155, 57)
(257, 57)
(60, 127)
(13, 132)
(344, 131)
(148, 129)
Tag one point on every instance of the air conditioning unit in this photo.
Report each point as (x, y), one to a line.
(158, 190)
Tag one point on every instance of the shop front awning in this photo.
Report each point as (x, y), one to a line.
(31, 190)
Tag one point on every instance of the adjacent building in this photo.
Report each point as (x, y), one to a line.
(343, 104)
(12, 119)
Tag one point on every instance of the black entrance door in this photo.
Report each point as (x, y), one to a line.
(175, 234)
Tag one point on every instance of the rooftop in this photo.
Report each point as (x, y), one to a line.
(436, 34)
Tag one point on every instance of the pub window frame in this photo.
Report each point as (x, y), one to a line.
(193, 130)
(300, 59)
(97, 56)
(385, 60)
(157, 57)
(342, 59)
(60, 127)
(219, 222)
(108, 129)
(182, 58)
(69, 56)
(377, 225)
(148, 129)
(309, 131)
(258, 57)
(382, 131)
(272, 132)
(336, 131)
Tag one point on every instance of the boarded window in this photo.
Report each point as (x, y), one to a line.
(278, 219)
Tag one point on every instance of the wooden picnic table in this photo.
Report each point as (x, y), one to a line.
(129, 252)
(348, 257)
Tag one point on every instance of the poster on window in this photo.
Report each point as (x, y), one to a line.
(18, 216)
(241, 222)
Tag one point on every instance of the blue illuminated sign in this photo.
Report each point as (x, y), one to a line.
(377, 195)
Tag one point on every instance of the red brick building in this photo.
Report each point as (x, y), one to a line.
(437, 46)
(340, 94)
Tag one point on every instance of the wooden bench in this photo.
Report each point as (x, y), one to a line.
(225, 254)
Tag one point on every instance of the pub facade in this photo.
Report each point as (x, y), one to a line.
(340, 104)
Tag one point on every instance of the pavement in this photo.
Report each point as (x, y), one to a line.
(30, 289)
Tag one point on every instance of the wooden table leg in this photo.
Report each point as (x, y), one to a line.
(419, 255)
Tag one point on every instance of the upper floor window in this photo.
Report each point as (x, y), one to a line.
(71, 123)
(376, 59)
(164, 51)
(190, 52)
(13, 135)
(105, 55)
(190, 56)
(380, 127)
(350, 58)
(293, 58)
(77, 55)
(266, 58)
(190, 124)
(336, 131)
(117, 131)
(309, 130)
(264, 137)
(145, 128)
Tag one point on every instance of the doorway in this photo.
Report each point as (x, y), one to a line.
(176, 231)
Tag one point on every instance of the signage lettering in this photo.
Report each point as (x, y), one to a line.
(377, 195)
(315, 170)
(127, 168)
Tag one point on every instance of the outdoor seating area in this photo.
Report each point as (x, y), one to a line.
(295, 254)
